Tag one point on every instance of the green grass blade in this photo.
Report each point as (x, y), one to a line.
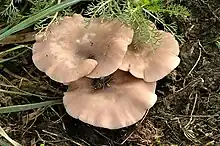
(12, 49)
(5, 28)
(18, 108)
(30, 21)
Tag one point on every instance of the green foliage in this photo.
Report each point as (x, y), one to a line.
(39, 16)
(126, 12)
(130, 12)
(147, 2)
(143, 31)
(158, 10)
(172, 10)
(136, 13)
(9, 11)
(162, 6)
(39, 5)
(13, 14)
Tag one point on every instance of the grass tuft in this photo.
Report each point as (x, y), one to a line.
(44, 13)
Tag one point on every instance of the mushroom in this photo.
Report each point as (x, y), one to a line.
(74, 48)
(122, 102)
(149, 63)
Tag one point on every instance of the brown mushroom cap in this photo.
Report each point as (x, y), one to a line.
(72, 48)
(121, 104)
(152, 64)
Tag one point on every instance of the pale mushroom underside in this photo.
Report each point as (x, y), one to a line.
(122, 104)
(72, 49)
(152, 64)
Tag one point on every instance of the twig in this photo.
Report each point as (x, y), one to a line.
(176, 137)
(139, 123)
(37, 113)
(60, 118)
(188, 133)
(194, 105)
(122, 143)
(40, 136)
(192, 83)
(8, 59)
(213, 12)
(197, 61)
(54, 17)
(14, 75)
(110, 140)
(62, 137)
(196, 116)
(145, 10)
(32, 124)
(46, 141)
(30, 74)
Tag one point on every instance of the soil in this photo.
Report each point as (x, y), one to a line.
(186, 113)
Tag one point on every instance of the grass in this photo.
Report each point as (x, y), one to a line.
(18, 108)
(44, 13)
(10, 29)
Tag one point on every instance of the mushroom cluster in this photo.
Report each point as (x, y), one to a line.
(111, 82)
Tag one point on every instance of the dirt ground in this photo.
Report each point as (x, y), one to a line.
(186, 113)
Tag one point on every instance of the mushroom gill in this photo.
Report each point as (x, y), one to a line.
(74, 48)
(152, 64)
(121, 103)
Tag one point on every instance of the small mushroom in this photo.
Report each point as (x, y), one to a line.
(152, 64)
(122, 102)
(74, 48)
